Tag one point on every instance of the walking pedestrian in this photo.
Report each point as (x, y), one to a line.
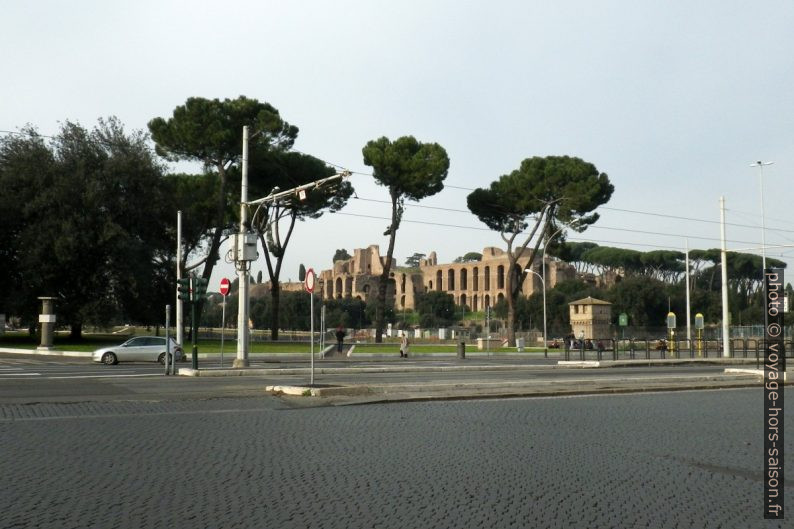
(340, 338)
(404, 345)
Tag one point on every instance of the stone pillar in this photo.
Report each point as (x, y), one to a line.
(47, 320)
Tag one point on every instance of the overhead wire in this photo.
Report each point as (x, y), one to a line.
(455, 210)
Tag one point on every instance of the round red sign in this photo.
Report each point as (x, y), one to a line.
(225, 286)
(310, 279)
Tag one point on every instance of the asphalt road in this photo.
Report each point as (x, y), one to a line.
(29, 378)
(663, 460)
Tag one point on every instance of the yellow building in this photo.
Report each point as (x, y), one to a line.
(592, 317)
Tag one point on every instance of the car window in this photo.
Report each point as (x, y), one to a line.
(135, 342)
(155, 341)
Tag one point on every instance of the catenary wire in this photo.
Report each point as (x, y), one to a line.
(677, 217)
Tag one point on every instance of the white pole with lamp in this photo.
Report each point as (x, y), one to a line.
(543, 284)
(760, 166)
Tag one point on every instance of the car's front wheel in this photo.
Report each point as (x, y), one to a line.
(109, 359)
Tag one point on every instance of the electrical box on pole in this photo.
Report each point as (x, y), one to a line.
(245, 247)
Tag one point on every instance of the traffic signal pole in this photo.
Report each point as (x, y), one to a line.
(193, 333)
(179, 312)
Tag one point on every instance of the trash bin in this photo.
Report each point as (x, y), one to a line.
(461, 349)
(520, 345)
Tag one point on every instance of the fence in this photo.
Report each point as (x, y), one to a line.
(638, 349)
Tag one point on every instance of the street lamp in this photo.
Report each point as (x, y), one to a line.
(543, 281)
(545, 338)
(760, 166)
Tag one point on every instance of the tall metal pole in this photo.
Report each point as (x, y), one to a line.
(726, 350)
(180, 324)
(168, 353)
(223, 326)
(688, 309)
(543, 284)
(488, 330)
(242, 266)
(760, 166)
(322, 328)
(193, 325)
(311, 347)
(543, 281)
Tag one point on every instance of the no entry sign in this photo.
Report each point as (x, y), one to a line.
(225, 286)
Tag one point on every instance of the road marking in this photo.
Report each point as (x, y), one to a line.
(21, 374)
(114, 376)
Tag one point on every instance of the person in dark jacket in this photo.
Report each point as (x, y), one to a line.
(340, 338)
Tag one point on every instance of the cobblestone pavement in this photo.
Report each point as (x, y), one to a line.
(665, 460)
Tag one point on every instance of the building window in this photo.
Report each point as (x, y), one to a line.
(487, 278)
(500, 277)
(476, 279)
(464, 278)
(450, 280)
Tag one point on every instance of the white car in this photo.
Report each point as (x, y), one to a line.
(138, 349)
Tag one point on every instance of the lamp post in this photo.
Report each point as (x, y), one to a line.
(543, 283)
(760, 166)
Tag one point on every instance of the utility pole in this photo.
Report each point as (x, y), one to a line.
(242, 265)
(726, 348)
(179, 314)
(245, 244)
(688, 309)
(760, 166)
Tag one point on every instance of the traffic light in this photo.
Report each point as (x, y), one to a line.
(183, 288)
(199, 288)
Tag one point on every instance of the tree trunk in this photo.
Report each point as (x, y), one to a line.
(275, 298)
(380, 306)
(76, 331)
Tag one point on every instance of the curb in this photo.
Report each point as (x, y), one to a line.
(585, 364)
(459, 390)
(190, 372)
(758, 373)
(79, 354)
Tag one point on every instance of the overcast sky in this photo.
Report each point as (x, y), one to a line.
(672, 99)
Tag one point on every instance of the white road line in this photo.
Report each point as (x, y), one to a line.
(113, 376)
(21, 374)
(56, 372)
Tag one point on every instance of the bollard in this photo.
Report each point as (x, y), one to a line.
(47, 320)
(461, 350)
